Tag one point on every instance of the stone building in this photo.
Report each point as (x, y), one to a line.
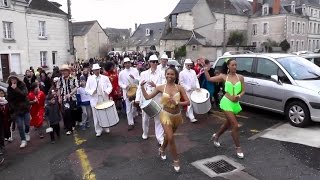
(147, 36)
(277, 20)
(118, 38)
(90, 40)
(34, 33)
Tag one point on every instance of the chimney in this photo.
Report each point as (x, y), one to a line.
(276, 7)
(255, 6)
(135, 26)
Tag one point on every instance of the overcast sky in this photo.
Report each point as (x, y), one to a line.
(120, 13)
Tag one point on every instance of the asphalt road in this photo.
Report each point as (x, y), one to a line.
(123, 154)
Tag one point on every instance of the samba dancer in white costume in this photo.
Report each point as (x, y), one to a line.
(98, 87)
(153, 77)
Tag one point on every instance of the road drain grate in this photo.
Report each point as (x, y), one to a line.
(220, 166)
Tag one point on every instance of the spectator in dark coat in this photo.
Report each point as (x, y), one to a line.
(29, 78)
(19, 106)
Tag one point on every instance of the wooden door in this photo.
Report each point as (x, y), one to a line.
(5, 66)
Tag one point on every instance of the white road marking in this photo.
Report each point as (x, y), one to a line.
(287, 133)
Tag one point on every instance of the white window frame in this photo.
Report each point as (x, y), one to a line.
(311, 12)
(147, 32)
(292, 45)
(8, 30)
(55, 54)
(315, 28)
(293, 7)
(310, 27)
(42, 29)
(302, 45)
(267, 29)
(254, 29)
(298, 27)
(254, 42)
(303, 28)
(265, 10)
(297, 45)
(293, 26)
(44, 58)
(303, 9)
(5, 3)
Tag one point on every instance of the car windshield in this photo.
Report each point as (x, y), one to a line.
(300, 68)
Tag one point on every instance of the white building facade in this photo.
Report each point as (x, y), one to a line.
(31, 36)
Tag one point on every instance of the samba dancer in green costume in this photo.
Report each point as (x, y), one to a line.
(234, 88)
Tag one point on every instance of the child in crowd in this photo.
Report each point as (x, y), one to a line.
(37, 100)
(53, 116)
(8, 124)
(84, 101)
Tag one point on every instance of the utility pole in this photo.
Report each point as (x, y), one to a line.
(70, 29)
(224, 27)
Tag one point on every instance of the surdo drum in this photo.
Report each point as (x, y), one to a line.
(107, 114)
(151, 107)
(200, 101)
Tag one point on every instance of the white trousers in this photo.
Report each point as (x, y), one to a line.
(157, 126)
(97, 127)
(131, 111)
(189, 112)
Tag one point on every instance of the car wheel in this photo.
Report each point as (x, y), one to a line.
(297, 113)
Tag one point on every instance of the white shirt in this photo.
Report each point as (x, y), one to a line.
(100, 83)
(163, 72)
(188, 79)
(149, 76)
(83, 94)
(125, 80)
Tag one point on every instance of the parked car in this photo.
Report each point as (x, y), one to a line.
(282, 83)
(313, 57)
(113, 53)
(175, 63)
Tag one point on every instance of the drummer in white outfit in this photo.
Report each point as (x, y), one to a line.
(98, 87)
(126, 77)
(163, 66)
(188, 79)
(153, 77)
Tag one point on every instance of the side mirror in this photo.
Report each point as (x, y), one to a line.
(276, 79)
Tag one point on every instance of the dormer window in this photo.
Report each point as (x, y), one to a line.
(293, 7)
(4, 3)
(303, 9)
(265, 9)
(147, 32)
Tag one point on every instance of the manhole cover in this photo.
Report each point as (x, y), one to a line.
(221, 166)
(218, 166)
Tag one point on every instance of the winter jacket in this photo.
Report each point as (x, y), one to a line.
(53, 114)
(17, 99)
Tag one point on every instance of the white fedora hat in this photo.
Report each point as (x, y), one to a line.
(153, 58)
(188, 61)
(95, 67)
(164, 56)
(126, 59)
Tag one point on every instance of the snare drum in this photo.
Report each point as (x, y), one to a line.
(131, 93)
(107, 114)
(151, 107)
(200, 101)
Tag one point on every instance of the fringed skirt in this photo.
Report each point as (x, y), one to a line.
(173, 120)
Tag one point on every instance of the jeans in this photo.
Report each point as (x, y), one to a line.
(23, 124)
(86, 115)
